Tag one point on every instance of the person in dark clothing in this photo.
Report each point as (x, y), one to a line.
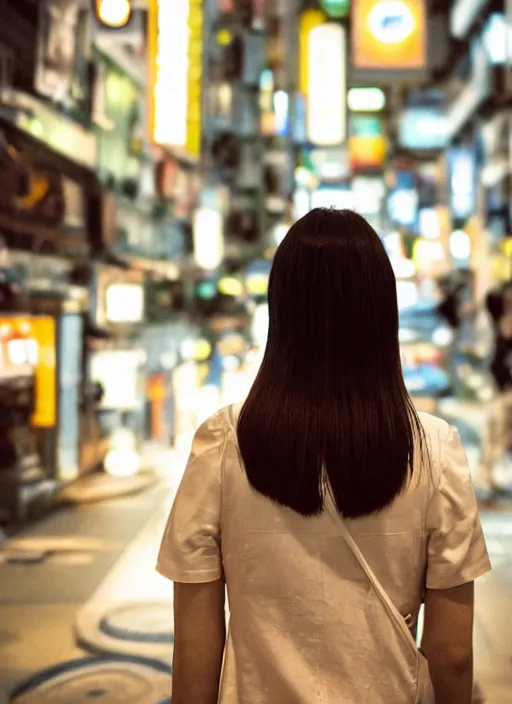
(499, 306)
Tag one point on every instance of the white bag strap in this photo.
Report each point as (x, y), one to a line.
(393, 612)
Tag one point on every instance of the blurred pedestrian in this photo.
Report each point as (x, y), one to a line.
(327, 505)
(497, 434)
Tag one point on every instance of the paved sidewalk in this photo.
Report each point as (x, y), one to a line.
(53, 567)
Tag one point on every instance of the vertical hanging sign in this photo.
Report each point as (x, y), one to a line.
(326, 97)
(175, 39)
(308, 21)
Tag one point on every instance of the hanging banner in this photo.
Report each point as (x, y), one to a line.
(389, 34)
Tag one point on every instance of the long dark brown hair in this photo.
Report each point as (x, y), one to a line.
(329, 411)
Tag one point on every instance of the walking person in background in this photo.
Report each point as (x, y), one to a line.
(497, 435)
(327, 505)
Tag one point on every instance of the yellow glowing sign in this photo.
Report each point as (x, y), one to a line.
(257, 284)
(308, 21)
(43, 331)
(202, 350)
(175, 43)
(195, 76)
(229, 286)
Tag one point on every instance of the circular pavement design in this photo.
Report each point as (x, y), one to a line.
(141, 623)
(140, 629)
(110, 680)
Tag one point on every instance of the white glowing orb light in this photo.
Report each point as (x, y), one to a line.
(114, 13)
(403, 24)
(442, 337)
(188, 349)
(407, 294)
(406, 335)
(460, 245)
(402, 267)
(122, 463)
(122, 460)
(208, 238)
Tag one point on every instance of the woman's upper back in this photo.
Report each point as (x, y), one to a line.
(431, 529)
(303, 612)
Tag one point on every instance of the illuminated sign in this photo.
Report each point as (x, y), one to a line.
(208, 238)
(175, 65)
(308, 21)
(326, 107)
(422, 128)
(124, 303)
(366, 99)
(367, 144)
(497, 37)
(340, 198)
(389, 34)
(45, 406)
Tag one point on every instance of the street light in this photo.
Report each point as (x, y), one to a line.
(114, 13)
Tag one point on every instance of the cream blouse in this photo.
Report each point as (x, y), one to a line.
(305, 625)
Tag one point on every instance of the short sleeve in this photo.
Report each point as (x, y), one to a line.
(190, 548)
(457, 553)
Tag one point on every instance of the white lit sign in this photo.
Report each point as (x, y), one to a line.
(171, 61)
(497, 37)
(117, 372)
(391, 22)
(366, 99)
(208, 238)
(124, 303)
(326, 108)
(340, 198)
(368, 194)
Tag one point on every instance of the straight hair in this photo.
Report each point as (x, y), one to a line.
(328, 410)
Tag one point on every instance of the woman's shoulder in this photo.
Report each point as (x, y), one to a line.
(437, 434)
(433, 426)
(221, 421)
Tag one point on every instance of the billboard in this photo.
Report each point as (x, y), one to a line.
(389, 34)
